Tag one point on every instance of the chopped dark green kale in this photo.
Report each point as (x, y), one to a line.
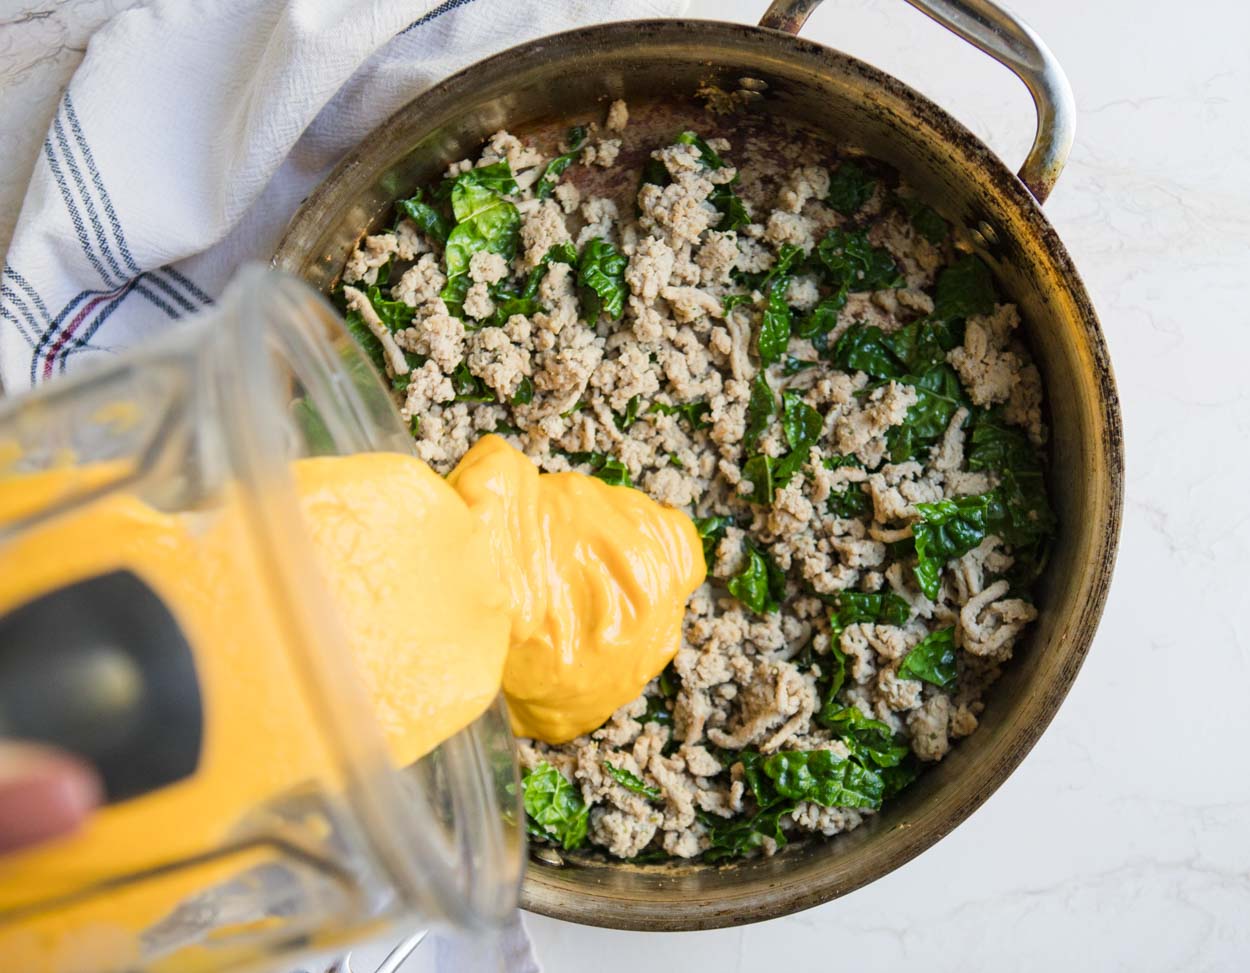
(576, 141)
(760, 471)
(485, 221)
(711, 530)
(948, 529)
(429, 220)
(850, 607)
(469, 387)
(939, 396)
(695, 413)
(822, 318)
(870, 741)
(850, 187)
(824, 778)
(601, 280)
(627, 418)
(524, 394)
(761, 408)
(925, 219)
(760, 585)
(964, 289)
(853, 264)
(554, 810)
(604, 466)
(731, 208)
(932, 659)
(632, 782)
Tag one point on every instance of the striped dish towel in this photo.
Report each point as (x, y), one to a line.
(190, 133)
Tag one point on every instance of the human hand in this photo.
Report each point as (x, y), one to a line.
(44, 793)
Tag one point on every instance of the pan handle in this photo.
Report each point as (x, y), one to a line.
(1010, 42)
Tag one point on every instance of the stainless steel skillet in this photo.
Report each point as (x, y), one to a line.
(793, 85)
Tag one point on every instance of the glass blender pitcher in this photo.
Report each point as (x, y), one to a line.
(253, 812)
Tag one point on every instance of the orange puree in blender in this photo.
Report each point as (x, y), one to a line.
(566, 591)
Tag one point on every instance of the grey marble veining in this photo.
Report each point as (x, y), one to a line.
(41, 43)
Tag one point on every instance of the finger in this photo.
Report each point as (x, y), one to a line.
(44, 793)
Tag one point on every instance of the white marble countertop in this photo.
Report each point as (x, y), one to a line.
(1123, 841)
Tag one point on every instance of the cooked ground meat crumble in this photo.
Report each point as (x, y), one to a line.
(819, 378)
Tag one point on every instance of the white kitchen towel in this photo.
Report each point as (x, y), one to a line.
(192, 130)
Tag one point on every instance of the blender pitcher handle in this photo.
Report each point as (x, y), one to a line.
(1010, 42)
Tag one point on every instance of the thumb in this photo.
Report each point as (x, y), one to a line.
(44, 793)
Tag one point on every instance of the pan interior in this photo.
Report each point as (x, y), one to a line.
(787, 93)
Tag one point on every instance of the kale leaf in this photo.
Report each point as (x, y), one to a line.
(795, 365)
(924, 343)
(932, 659)
(601, 280)
(604, 466)
(524, 393)
(864, 348)
(775, 324)
(777, 783)
(925, 219)
(833, 669)
(850, 187)
(801, 426)
(624, 420)
(964, 288)
(631, 782)
(897, 778)
(948, 529)
(850, 607)
(1017, 510)
(870, 741)
(432, 223)
(739, 836)
(733, 211)
(485, 221)
(509, 301)
(366, 339)
(847, 608)
(400, 383)
(849, 502)
(553, 808)
(823, 777)
(774, 333)
(822, 318)
(800, 423)
(760, 585)
(706, 153)
(787, 256)
(312, 426)
(939, 396)
(761, 407)
(657, 712)
(731, 208)
(760, 472)
(496, 177)
(1027, 521)
(853, 264)
(695, 413)
(395, 315)
(469, 387)
(711, 530)
(575, 140)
